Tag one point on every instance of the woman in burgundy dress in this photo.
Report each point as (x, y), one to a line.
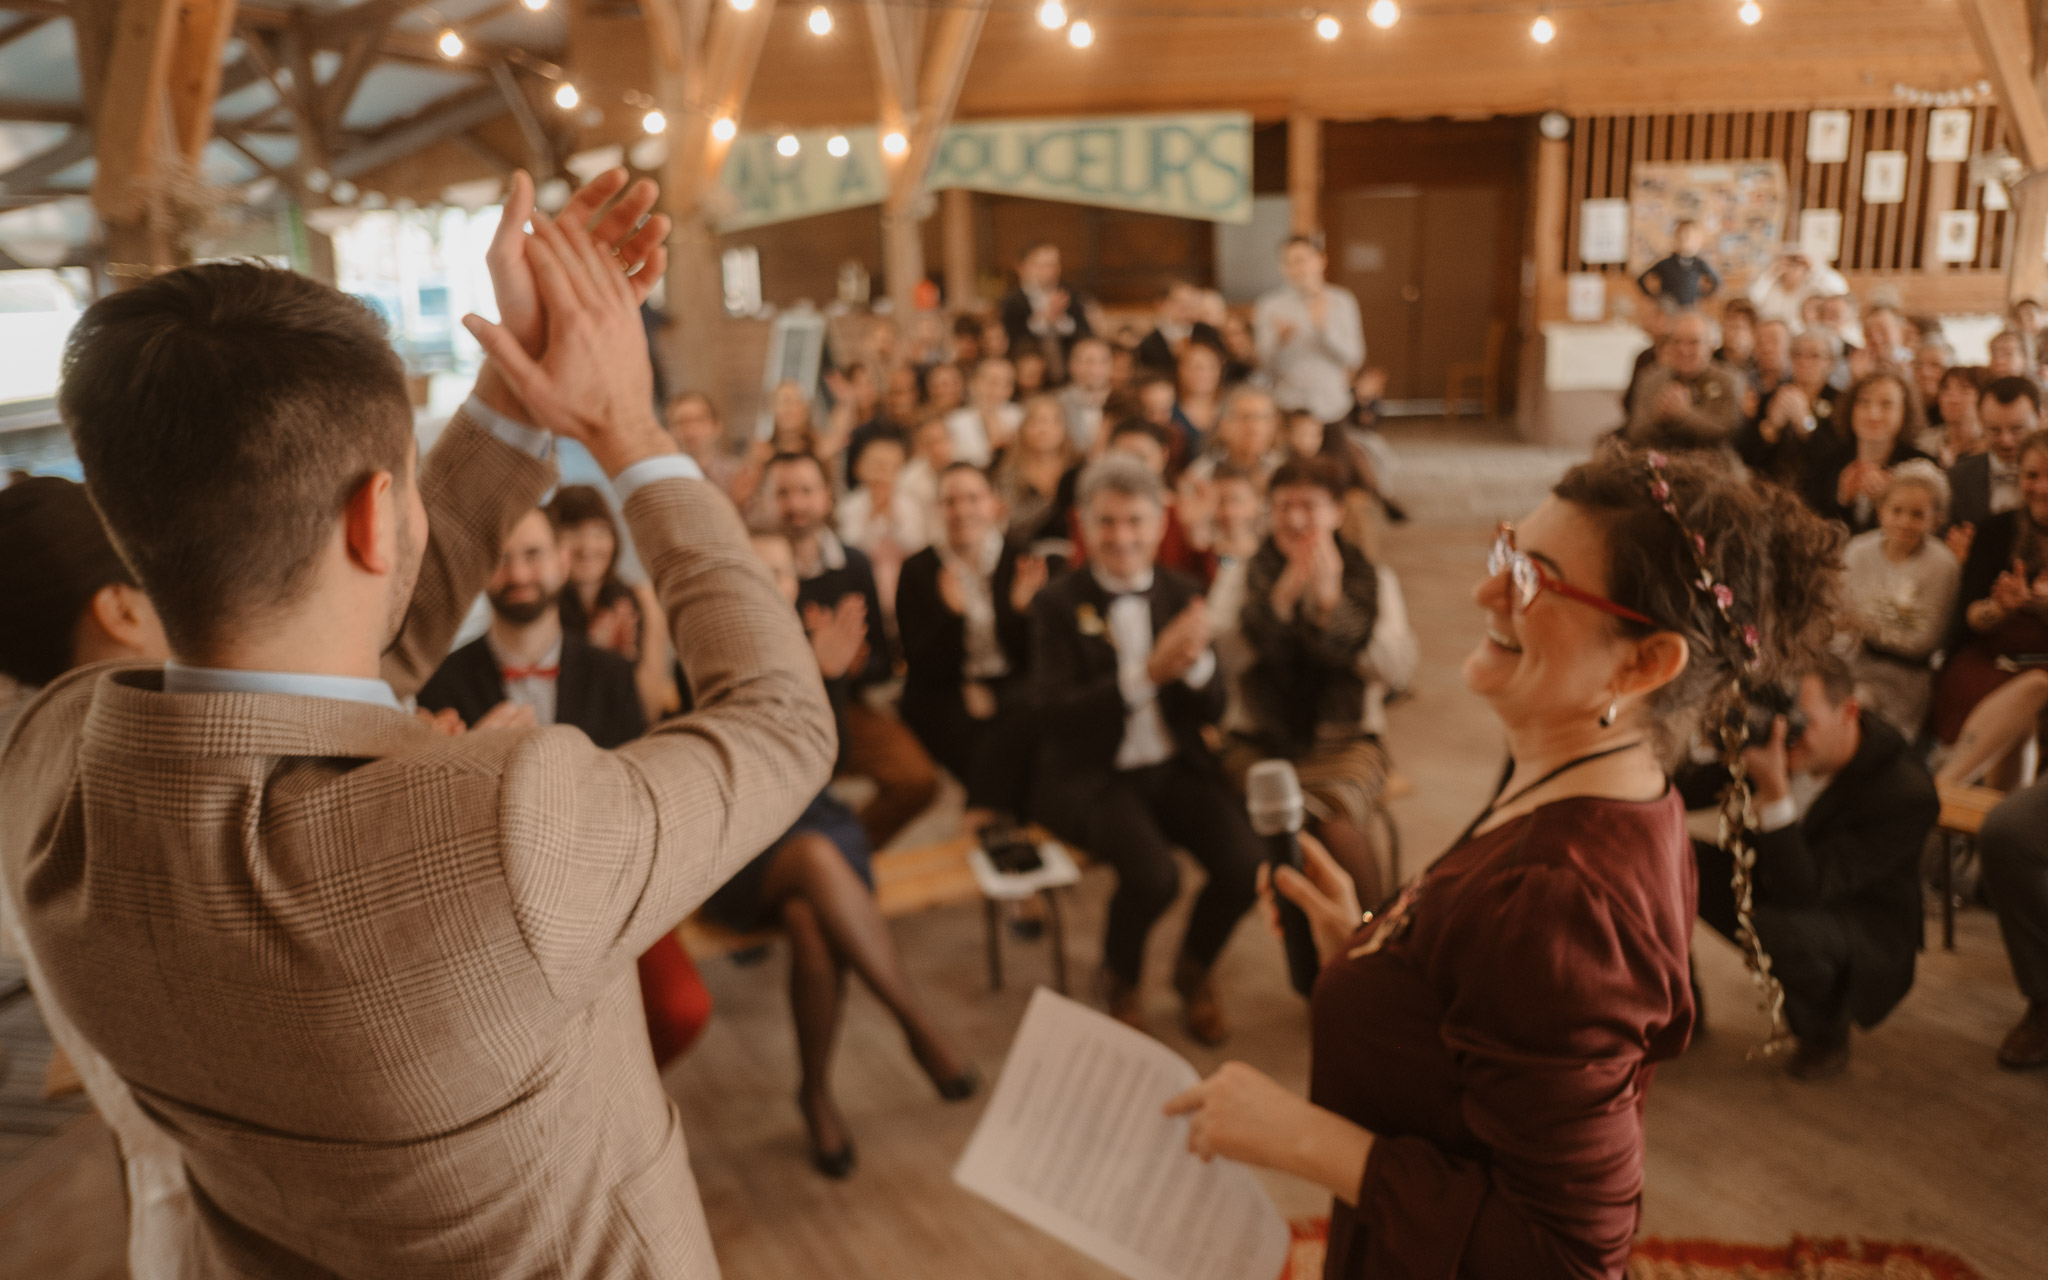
(1482, 1048)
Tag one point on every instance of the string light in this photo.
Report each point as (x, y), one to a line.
(535, 5)
(821, 20)
(724, 129)
(741, 6)
(895, 143)
(449, 44)
(1383, 14)
(1328, 27)
(654, 122)
(1081, 34)
(837, 145)
(1052, 15)
(1751, 13)
(1543, 30)
(787, 145)
(566, 96)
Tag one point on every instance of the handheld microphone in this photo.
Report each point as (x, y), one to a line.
(1273, 797)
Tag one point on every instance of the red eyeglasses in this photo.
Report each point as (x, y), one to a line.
(1530, 579)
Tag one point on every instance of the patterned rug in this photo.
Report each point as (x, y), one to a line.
(1659, 1259)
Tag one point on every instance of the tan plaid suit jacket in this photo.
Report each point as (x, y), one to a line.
(378, 984)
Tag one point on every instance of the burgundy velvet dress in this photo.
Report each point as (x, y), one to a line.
(1498, 1040)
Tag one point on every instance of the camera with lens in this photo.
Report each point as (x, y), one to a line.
(1766, 704)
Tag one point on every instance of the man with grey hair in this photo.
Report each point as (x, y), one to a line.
(1689, 401)
(1126, 682)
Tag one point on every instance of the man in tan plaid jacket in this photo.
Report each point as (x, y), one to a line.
(377, 983)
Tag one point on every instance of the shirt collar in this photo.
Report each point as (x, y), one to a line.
(831, 555)
(552, 658)
(1122, 586)
(179, 678)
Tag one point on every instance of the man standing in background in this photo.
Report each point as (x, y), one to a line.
(1310, 338)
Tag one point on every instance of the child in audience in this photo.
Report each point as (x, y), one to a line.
(1900, 592)
(1682, 277)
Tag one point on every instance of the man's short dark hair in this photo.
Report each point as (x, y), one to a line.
(57, 559)
(1142, 427)
(1316, 471)
(225, 414)
(2010, 391)
(1310, 239)
(791, 458)
(1837, 681)
(956, 468)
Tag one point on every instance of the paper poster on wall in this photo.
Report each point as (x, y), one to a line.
(1955, 236)
(1948, 134)
(1739, 206)
(1884, 177)
(1827, 137)
(1603, 231)
(1585, 296)
(1820, 234)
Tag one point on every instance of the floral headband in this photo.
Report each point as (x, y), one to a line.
(1723, 596)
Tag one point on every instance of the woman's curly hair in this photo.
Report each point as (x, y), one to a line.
(1782, 563)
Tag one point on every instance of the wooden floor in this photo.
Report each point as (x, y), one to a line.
(1924, 1139)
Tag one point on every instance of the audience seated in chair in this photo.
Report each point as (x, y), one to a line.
(2003, 616)
(1987, 482)
(963, 612)
(529, 669)
(1843, 810)
(836, 578)
(1772, 442)
(599, 606)
(1899, 594)
(1126, 684)
(1687, 401)
(1849, 464)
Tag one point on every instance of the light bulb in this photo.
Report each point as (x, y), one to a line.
(787, 145)
(535, 5)
(742, 5)
(566, 96)
(1328, 27)
(838, 145)
(654, 122)
(449, 44)
(1052, 15)
(1751, 13)
(821, 20)
(895, 143)
(1543, 30)
(1081, 34)
(724, 129)
(1383, 14)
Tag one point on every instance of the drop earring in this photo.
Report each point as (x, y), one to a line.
(1611, 715)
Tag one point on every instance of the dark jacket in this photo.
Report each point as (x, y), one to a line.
(935, 638)
(1992, 552)
(1081, 707)
(1304, 674)
(855, 577)
(1856, 855)
(1969, 490)
(594, 691)
(1157, 354)
(1786, 460)
(1828, 455)
(1015, 311)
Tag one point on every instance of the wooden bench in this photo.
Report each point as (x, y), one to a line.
(1963, 810)
(907, 881)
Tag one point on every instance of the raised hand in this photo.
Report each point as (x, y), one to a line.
(593, 382)
(838, 635)
(619, 231)
(1031, 575)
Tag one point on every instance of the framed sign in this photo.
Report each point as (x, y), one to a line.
(1948, 134)
(1585, 296)
(1827, 137)
(1884, 177)
(1955, 236)
(1603, 231)
(1820, 234)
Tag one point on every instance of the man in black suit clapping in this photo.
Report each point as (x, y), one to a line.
(1126, 681)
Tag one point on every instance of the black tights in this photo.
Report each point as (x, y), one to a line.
(833, 923)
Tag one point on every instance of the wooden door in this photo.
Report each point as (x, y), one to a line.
(1459, 274)
(1376, 239)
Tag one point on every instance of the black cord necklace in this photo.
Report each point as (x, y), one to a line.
(1498, 803)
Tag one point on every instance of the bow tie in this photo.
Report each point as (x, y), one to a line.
(529, 673)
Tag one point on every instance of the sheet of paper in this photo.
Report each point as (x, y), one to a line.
(1073, 1143)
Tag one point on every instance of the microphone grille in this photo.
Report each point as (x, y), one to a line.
(1272, 795)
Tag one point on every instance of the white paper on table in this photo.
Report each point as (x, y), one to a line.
(1074, 1142)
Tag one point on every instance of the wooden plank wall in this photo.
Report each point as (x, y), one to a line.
(1879, 239)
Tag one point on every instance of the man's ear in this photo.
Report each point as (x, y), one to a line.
(369, 524)
(127, 621)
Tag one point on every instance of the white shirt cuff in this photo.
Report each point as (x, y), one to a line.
(1199, 674)
(1778, 814)
(662, 466)
(531, 441)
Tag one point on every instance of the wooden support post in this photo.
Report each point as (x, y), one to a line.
(1304, 174)
(1546, 238)
(2005, 36)
(129, 137)
(956, 206)
(2027, 267)
(1942, 176)
(923, 124)
(203, 27)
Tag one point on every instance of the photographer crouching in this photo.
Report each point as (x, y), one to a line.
(1842, 808)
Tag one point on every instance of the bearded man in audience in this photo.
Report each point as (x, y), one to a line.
(1687, 401)
(1987, 483)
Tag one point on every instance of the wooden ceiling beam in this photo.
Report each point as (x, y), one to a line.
(2004, 36)
(54, 159)
(20, 111)
(130, 117)
(195, 71)
(444, 119)
(27, 26)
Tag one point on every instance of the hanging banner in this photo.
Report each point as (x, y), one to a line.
(1189, 166)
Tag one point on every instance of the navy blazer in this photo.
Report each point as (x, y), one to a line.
(594, 690)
